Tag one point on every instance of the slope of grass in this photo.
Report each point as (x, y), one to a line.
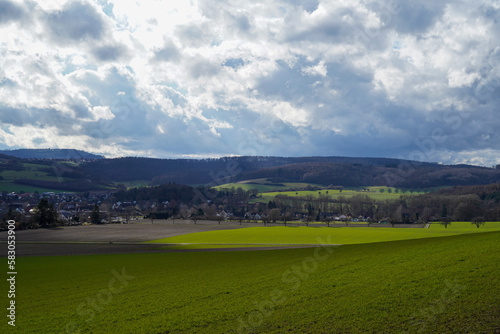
(377, 193)
(13, 187)
(32, 172)
(435, 285)
(262, 185)
(323, 235)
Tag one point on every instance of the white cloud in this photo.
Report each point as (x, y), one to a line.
(204, 78)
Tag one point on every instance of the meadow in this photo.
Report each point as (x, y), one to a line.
(263, 185)
(431, 285)
(268, 191)
(30, 171)
(281, 235)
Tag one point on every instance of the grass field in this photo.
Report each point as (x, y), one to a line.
(262, 185)
(33, 172)
(268, 192)
(134, 184)
(323, 235)
(375, 194)
(433, 285)
(12, 187)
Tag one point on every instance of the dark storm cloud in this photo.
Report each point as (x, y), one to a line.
(77, 21)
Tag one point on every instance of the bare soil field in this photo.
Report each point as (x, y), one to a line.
(135, 231)
(111, 238)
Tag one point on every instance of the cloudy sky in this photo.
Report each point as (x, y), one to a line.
(416, 80)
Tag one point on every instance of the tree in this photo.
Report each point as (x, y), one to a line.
(446, 221)
(128, 213)
(327, 220)
(444, 211)
(478, 221)
(95, 216)
(287, 216)
(46, 214)
(274, 214)
(309, 219)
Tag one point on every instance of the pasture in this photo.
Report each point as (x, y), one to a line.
(281, 235)
(268, 191)
(262, 185)
(428, 285)
(377, 193)
(30, 171)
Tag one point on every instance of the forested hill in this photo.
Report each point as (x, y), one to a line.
(405, 174)
(321, 170)
(202, 171)
(56, 154)
(81, 174)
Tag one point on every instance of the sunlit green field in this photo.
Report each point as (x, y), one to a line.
(264, 186)
(372, 192)
(324, 235)
(433, 285)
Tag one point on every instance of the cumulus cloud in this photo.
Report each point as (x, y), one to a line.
(211, 78)
(10, 11)
(76, 21)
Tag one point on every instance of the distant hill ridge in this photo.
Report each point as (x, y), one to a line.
(342, 171)
(95, 172)
(60, 154)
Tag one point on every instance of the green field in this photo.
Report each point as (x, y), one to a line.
(433, 285)
(267, 191)
(134, 184)
(31, 171)
(262, 185)
(323, 235)
(265, 197)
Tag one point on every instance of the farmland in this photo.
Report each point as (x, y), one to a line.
(268, 191)
(426, 285)
(322, 235)
(27, 171)
(263, 185)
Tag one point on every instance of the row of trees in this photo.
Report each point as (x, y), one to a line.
(421, 208)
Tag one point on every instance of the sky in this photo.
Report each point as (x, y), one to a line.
(416, 80)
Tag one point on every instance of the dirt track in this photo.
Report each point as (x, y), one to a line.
(110, 239)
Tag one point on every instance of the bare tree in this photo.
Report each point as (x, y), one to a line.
(478, 221)
(274, 214)
(446, 221)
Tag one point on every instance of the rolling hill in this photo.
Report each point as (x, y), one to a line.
(58, 154)
(72, 170)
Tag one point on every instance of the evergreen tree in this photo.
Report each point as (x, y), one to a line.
(95, 216)
(46, 214)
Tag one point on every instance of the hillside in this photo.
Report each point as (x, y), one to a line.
(321, 170)
(63, 170)
(404, 175)
(58, 154)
